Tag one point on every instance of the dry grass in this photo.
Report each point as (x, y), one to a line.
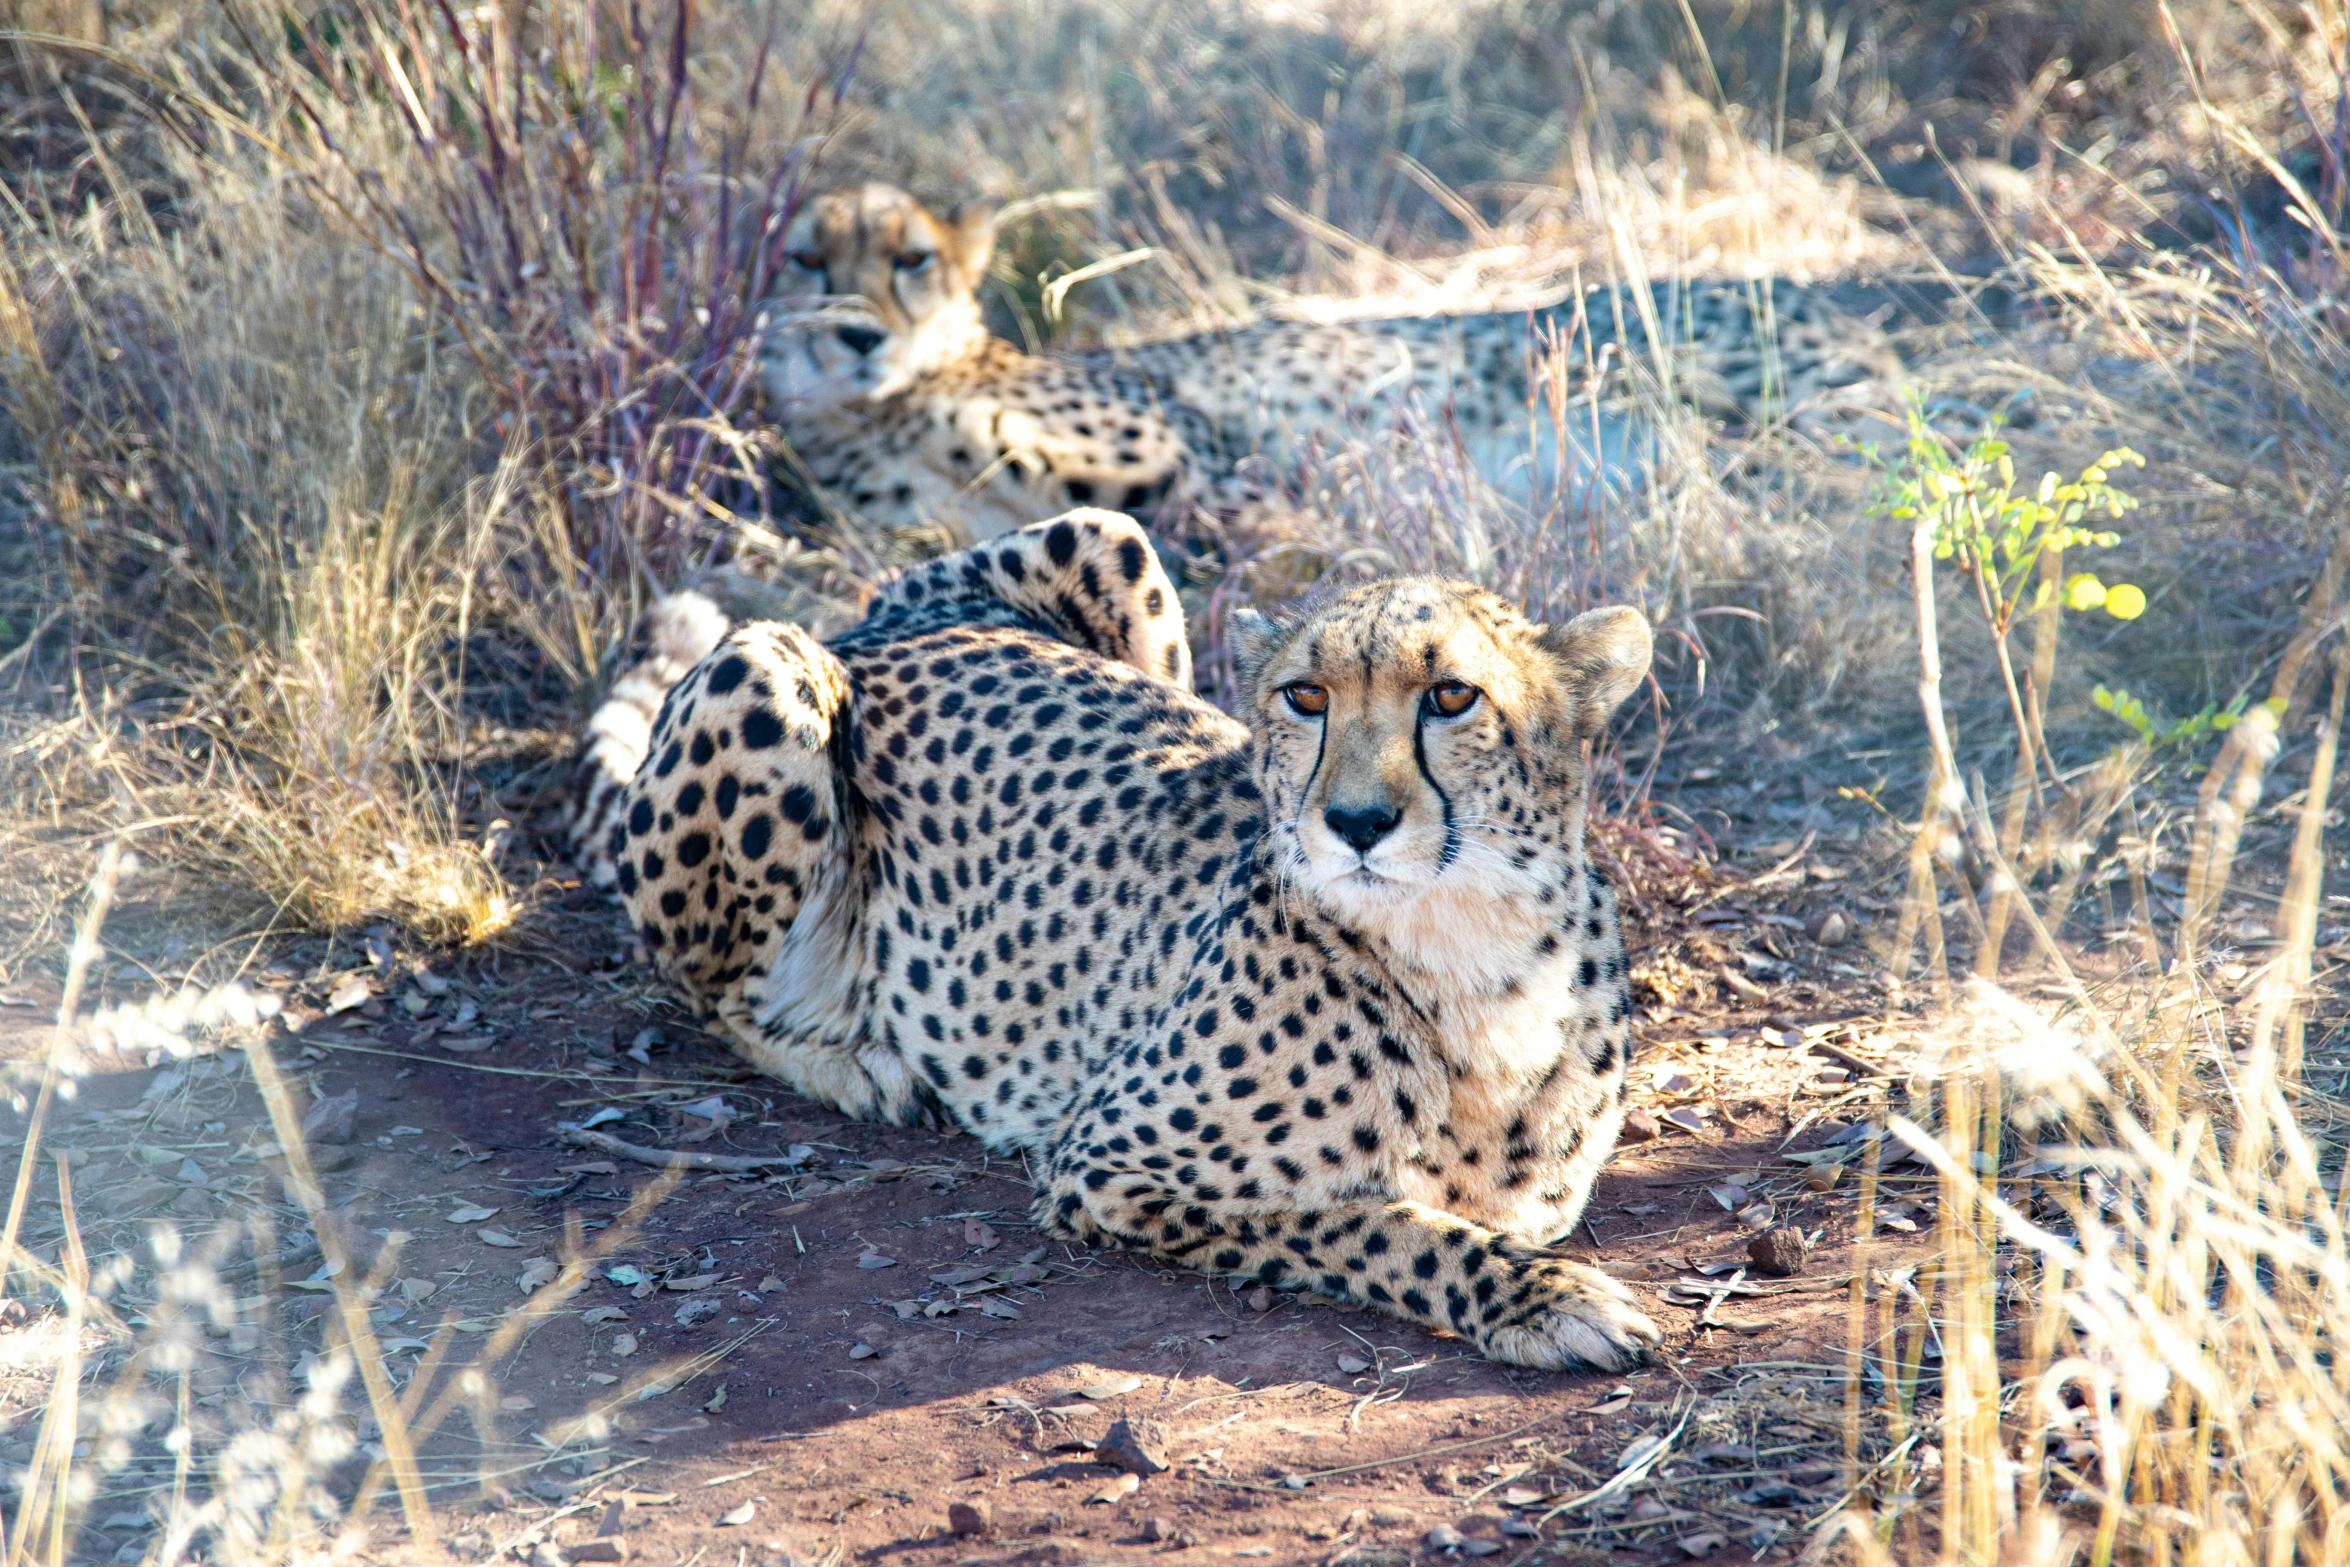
(332, 445)
(300, 325)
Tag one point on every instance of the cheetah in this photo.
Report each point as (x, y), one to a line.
(894, 400)
(1330, 998)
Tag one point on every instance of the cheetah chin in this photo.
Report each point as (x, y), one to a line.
(1329, 998)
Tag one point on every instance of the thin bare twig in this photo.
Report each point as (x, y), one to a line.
(673, 1158)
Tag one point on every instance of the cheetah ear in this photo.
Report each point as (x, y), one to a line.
(973, 224)
(1603, 656)
(1253, 639)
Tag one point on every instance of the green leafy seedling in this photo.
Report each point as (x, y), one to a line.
(2158, 733)
(1996, 534)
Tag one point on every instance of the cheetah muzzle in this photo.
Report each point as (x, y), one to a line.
(1330, 998)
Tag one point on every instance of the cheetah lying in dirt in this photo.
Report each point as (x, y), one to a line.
(1331, 999)
(894, 401)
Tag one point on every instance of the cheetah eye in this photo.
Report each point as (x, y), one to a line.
(1451, 699)
(913, 260)
(1308, 700)
(808, 260)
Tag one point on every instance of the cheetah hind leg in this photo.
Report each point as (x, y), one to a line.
(672, 636)
(1090, 576)
(731, 850)
(1516, 1302)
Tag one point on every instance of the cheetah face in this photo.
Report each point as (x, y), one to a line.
(1419, 743)
(873, 290)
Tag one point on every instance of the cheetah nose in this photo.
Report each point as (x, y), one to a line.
(1364, 826)
(861, 339)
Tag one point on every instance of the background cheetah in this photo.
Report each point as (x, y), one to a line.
(895, 400)
(1341, 1007)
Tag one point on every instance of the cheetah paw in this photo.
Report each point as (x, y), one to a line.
(1590, 1323)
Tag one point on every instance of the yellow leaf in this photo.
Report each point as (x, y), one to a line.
(2124, 602)
(2083, 591)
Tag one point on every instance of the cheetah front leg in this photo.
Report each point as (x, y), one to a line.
(1516, 1302)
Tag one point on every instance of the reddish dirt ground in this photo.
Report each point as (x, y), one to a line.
(817, 1361)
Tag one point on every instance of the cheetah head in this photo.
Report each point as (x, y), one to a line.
(874, 290)
(1420, 746)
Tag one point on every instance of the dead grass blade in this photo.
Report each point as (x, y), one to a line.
(358, 1331)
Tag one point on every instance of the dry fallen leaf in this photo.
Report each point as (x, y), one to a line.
(697, 1281)
(469, 1213)
(624, 1343)
(497, 1238)
(741, 1515)
(1350, 1364)
(977, 1232)
(602, 1378)
(1118, 1490)
(770, 1284)
(517, 1402)
(715, 1402)
(537, 1271)
(596, 1314)
(955, 1278)
(874, 1259)
(1115, 1387)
